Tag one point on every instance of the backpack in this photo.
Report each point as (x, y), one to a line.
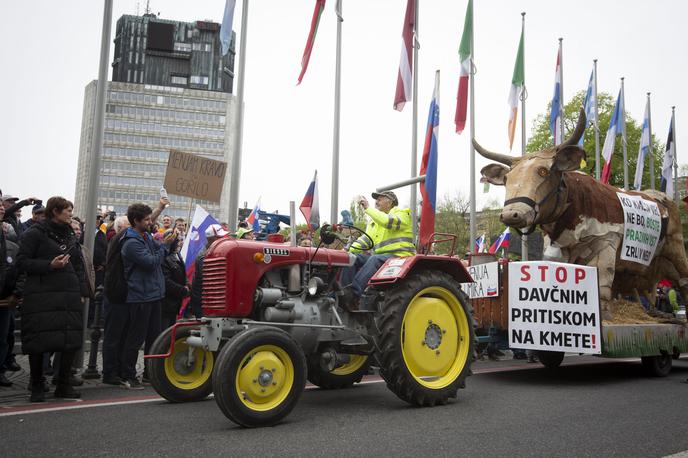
(115, 284)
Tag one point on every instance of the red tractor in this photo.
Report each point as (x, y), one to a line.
(274, 317)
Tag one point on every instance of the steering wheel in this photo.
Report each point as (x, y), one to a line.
(367, 242)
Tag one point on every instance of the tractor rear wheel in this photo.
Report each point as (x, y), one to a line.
(259, 377)
(426, 339)
(185, 375)
(343, 376)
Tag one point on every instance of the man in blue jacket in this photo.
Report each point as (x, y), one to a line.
(142, 258)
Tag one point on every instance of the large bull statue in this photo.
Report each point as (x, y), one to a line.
(582, 219)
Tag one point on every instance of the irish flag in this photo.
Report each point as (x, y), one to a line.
(404, 78)
(315, 21)
(517, 84)
(465, 57)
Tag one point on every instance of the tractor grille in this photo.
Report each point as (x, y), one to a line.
(214, 283)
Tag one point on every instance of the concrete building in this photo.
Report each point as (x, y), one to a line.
(156, 111)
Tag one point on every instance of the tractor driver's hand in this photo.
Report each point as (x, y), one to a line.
(363, 202)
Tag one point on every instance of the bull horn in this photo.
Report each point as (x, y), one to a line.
(501, 158)
(578, 132)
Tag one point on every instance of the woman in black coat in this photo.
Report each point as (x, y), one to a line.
(52, 311)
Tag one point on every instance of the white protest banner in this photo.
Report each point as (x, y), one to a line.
(554, 306)
(642, 226)
(485, 281)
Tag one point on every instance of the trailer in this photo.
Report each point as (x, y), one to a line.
(656, 344)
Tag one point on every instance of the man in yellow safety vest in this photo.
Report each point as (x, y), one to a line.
(392, 236)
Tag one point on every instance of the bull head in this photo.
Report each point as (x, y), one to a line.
(532, 179)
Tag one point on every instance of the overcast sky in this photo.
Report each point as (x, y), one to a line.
(51, 49)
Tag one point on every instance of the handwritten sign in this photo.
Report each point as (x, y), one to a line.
(642, 226)
(194, 176)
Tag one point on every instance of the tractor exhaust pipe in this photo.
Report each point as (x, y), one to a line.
(294, 284)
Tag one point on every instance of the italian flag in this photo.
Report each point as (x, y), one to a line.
(465, 57)
(315, 21)
(517, 84)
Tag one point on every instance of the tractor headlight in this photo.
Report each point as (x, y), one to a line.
(315, 285)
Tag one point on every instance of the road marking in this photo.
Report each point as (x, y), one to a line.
(368, 380)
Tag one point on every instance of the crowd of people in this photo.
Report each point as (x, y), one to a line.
(47, 275)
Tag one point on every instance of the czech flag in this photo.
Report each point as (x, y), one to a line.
(310, 205)
(253, 219)
(501, 242)
(428, 167)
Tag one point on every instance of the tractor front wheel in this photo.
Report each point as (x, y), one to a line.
(259, 377)
(426, 338)
(186, 374)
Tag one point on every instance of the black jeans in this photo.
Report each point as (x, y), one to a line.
(114, 334)
(36, 365)
(140, 315)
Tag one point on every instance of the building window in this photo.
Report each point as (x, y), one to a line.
(183, 80)
(131, 54)
(203, 80)
(141, 77)
(136, 75)
(128, 75)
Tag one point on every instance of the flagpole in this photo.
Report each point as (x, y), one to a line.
(334, 202)
(673, 129)
(471, 89)
(96, 154)
(623, 134)
(561, 88)
(414, 124)
(235, 165)
(524, 238)
(652, 156)
(596, 127)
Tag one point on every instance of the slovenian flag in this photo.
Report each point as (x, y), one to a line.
(428, 167)
(315, 21)
(404, 77)
(253, 219)
(555, 114)
(501, 242)
(466, 64)
(615, 128)
(643, 149)
(310, 206)
(589, 105)
(667, 183)
(226, 28)
(517, 85)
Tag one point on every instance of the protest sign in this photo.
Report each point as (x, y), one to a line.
(194, 176)
(485, 281)
(554, 306)
(642, 226)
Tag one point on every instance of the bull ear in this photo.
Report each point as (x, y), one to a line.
(495, 174)
(568, 158)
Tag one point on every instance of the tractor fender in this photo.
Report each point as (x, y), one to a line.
(395, 269)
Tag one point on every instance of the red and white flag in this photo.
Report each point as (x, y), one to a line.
(404, 77)
(315, 21)
(466, 62)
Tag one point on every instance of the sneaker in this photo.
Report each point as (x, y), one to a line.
(37, 395)
(46, 387)
(4, 381)
(112, 380)
(73, 380)
(67, 392)
(145, 381)
(132, 384)
(13, 366)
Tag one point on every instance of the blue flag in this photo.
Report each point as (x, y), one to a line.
(226, 28)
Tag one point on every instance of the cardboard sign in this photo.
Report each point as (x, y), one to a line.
(642, 226)
(194, 176)
(485, 281)
(554, 306)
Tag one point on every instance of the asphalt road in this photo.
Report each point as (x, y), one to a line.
(610, 409)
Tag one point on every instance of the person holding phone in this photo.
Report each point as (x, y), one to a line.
(52, 310)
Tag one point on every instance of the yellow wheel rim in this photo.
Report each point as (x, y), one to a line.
(354, 364)
(435, 337)
(265, 378)
(188, 370)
